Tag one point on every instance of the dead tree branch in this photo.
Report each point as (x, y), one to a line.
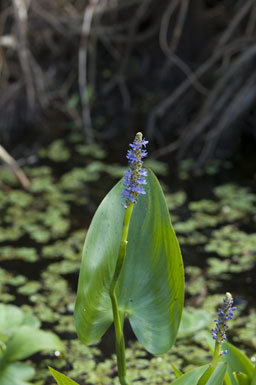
(7, 158)
(82, 70)
(21, 16)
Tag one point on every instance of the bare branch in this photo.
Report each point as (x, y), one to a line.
(7, 158)
(241, 13)
(21, 16)
(82, 69)
(160, 109)
(242, 101)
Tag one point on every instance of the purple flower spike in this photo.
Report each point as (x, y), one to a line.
(144, 142)
(141, 181)
(134, 177)
(225, 313)
(131, 156)
(143, 172)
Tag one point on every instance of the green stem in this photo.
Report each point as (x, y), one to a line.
(118, 322)
(215, 360)
(216, 355)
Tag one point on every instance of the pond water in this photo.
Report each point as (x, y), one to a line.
(41, 239)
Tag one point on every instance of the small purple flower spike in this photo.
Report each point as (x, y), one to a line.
(225, 313)
(134, 177)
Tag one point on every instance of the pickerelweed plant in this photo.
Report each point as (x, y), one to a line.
(219, 335)
(229, 365)
(132, 268)
(132, 265)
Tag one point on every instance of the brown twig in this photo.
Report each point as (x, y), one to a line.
(237, 19)
(252, 21)
(189, 74)
(165, 25)
(7, 158)
(219, 98)
(140, 13)
(82, 70)
(170, 49)
(21, 16)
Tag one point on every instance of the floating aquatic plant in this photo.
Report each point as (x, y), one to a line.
(20, 337)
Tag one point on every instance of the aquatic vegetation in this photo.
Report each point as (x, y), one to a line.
(175, 200)
(94, 150)
(216, 251)
(20, 337)
(229, 365)
(129, 295)
(56, 151)
(225, 313)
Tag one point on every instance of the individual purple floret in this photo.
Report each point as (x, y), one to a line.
(134, 177)
(225, 313)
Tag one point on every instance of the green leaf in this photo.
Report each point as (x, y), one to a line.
(192, 321)
(27, 340)
(254, 377)
(237, 362)
(61, 378)
(241, 378)
(31, 320)
(218, 375)
(11, 317)
(177, 372)
(192, 377)
(151, 284)
(16, 374)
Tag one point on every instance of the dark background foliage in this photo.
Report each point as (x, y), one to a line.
(182, 71)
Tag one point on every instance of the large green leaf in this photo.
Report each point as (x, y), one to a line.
(192, 377)
(218, 375)
(61, 378)
(16, 374)
(27, 340)
(151, 284)
(237, 362)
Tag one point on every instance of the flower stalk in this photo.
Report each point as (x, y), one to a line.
(134, 178)
(219, 334)
(118, 319)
